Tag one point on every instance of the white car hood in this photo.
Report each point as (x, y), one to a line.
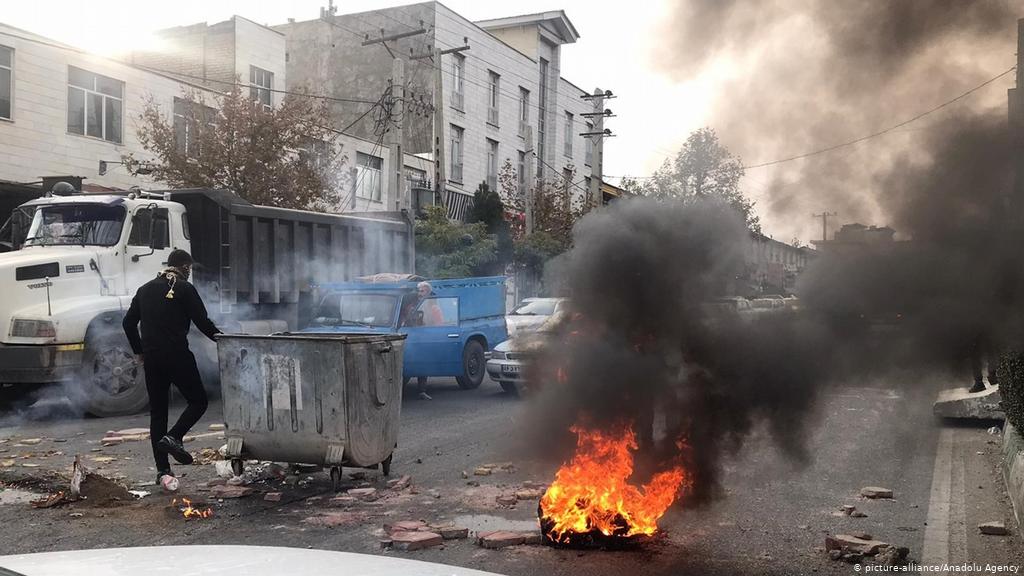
(222, 561)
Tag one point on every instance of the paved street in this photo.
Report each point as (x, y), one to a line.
(772, 518)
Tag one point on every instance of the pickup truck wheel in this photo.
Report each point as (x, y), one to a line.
(472, 366)
(112, 381)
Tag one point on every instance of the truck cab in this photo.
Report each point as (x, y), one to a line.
(447, 333)
(81, 258)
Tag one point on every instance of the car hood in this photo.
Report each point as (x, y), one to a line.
(221, 560)
(528, 342)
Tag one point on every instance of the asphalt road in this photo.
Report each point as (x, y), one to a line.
(772, 518)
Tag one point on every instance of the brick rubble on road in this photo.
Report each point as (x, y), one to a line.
(415, 540)
(993, 529)
(875, 492)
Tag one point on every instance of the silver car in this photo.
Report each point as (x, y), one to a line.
(507, 362)
(532, 313)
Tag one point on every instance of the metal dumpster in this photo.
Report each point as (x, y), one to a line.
(325, 399)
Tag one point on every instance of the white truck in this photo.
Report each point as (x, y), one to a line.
(76, 260)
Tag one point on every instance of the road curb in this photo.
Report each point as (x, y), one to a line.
(1013, 468)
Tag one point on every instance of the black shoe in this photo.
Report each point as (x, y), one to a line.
(978, 387)
(175, 448)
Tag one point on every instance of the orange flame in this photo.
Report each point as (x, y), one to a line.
(592, 492)
(189, 512)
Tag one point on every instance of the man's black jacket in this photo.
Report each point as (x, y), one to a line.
(165, 321)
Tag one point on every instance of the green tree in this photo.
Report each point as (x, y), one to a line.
(489, 210)
(446, 249)
(282, 156)
(703, 169)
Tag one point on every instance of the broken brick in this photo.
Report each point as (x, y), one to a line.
(364, 494)
(529, 494)
(533, 538)
(500, 539)
(993, 529)
(875, 492)
(408, 540)
(506, 500)
(399, 483)
(225, 491)
(272, 496)
(404, 526)
(111, 441)
(454, 533)
(482, 471)
(863, 546)
(848, 508)
(342, 501)
(216, 427)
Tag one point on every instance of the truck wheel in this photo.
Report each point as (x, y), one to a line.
(472, 366)
(111, 382)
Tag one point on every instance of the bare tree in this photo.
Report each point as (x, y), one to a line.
(283, 156)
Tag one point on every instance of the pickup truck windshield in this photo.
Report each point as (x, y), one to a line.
(76, 224)
(369, 310)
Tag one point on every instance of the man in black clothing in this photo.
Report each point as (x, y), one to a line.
(167, 305)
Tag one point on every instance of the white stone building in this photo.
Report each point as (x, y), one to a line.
(64, 110)
(507, 80)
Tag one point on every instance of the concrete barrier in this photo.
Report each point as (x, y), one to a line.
(1013, 468)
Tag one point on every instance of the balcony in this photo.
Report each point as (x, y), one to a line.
(457, 204)
(458, 101)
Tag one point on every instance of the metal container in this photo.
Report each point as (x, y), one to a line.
(325, 399)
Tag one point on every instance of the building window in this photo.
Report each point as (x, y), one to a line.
(94, 105)
(524, 110)
(588, 143)
(261, 85)
(567, 150)
(521, 175)
(492, 164)
(189, 123)
(6, 81)
(317, 154)
(542, 105)
(567, 181)
(493, 97)
(459, 78)
(455, 148)
(368, 181)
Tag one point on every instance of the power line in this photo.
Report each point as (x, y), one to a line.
(862, 138)
(239, 84)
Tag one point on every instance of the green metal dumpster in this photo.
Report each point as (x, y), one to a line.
(326, 399)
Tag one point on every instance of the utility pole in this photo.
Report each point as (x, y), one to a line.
(439, 155)
(824, 223)
(597, 136)
(528, 178)
(1015, 109)
(396, 199)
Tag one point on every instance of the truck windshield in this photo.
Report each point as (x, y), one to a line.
(76, 224)
(369, 310)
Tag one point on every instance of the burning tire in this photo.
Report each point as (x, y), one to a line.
(472, 366)
(111, 381)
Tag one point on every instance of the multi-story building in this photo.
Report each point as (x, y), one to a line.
(506, 81)
(772, 267)
(64, 110)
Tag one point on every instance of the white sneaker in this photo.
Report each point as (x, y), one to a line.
(170, 483)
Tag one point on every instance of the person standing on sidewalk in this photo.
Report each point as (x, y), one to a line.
(167, 306)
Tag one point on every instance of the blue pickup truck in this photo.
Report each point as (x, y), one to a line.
(447, 332)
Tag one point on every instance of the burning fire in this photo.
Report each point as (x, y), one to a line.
(189, 512)
(592, 494)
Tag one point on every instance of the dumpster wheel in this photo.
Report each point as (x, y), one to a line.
(336, 478)
(385, 466)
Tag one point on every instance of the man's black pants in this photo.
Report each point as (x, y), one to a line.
(162, 370)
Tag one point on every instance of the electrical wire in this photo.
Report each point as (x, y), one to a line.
(865, 137)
